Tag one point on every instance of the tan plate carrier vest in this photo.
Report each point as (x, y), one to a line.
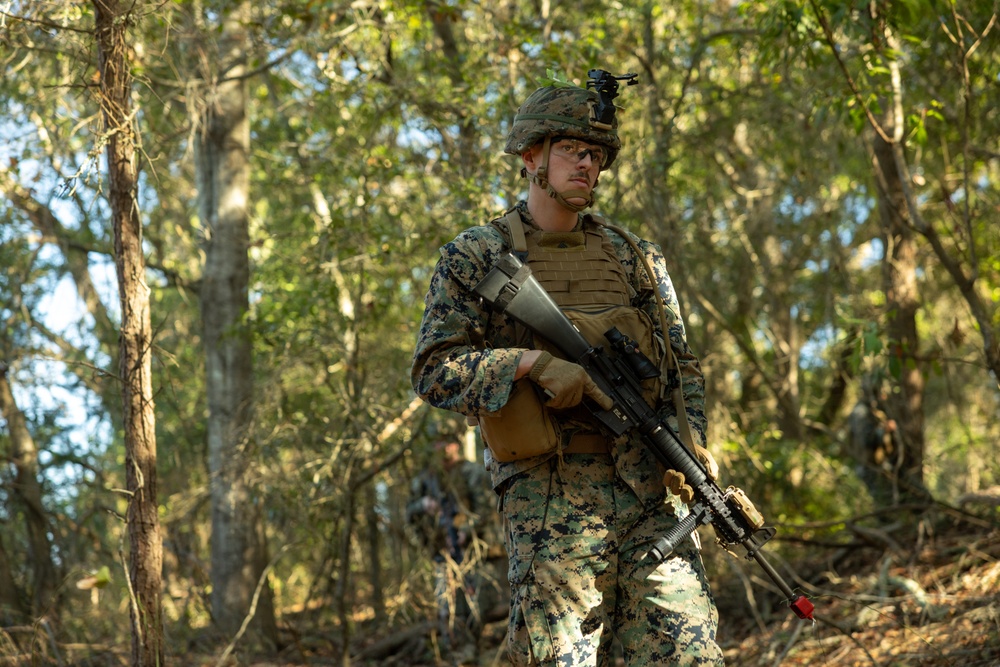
(584, 276)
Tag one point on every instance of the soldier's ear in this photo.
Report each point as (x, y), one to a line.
(530, 158)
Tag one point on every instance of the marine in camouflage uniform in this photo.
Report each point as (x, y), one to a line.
(578, 524)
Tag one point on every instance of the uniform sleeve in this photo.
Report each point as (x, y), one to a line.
(453, 368)
(691, 378)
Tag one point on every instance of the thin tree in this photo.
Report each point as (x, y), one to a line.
(27, 491)
(112, 21)
(239, 558)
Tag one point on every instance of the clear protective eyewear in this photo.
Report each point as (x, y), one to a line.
(574, 150)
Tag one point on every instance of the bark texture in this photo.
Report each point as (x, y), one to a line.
(112, 20)
(239, 557)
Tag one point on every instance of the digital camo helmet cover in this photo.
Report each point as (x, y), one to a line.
(564, 110)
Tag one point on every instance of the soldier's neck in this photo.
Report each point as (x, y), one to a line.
(550, 215)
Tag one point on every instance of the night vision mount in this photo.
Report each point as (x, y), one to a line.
(606, 85)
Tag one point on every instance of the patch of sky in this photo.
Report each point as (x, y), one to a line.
(859, 206)
(300, 63)
(383, 495)
(414, 134)
(15, 151)
(74, 418)
(871, 253)
(813, 266)
(794, 210)
(812, 354)
(53, 398)
(493, 93)
(533, 51)
(43, 385)
(9, 231)
(760, 337)
(149, 196)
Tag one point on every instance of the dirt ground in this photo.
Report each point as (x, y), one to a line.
(935, 604)
(882, 600)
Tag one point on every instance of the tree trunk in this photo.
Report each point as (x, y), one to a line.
(13, 610)
(28, 490)
(239, 558)
(374, 550)
(342, 589)
(905, 403)
(112, 19)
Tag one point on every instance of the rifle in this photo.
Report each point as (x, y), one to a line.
(510, 288)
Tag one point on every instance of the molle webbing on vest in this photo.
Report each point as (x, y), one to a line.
(577, 268)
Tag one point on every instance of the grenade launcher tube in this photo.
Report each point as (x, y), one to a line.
(510, 288)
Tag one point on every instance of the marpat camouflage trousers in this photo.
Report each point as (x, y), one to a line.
(580, 576)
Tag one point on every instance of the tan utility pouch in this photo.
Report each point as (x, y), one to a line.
(522, 428)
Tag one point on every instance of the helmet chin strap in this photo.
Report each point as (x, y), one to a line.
(541, 179)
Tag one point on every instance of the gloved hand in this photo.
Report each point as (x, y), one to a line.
(675, 481)
(565, 382)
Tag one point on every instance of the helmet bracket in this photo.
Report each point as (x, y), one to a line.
(602, 110)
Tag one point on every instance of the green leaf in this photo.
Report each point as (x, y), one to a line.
(872, 342)
(551, 78)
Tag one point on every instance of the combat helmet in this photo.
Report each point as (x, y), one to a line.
(571, 111)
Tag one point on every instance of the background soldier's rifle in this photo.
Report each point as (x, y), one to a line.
(510, 288)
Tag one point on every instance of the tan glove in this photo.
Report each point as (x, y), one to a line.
(565, 382)
(674, 479)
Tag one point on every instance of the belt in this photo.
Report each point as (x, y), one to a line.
(587, 443)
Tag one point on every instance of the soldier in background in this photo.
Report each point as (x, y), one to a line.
(873, 445)
(453, 508)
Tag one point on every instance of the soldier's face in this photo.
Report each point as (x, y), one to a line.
(573, 164)
(450, 451)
